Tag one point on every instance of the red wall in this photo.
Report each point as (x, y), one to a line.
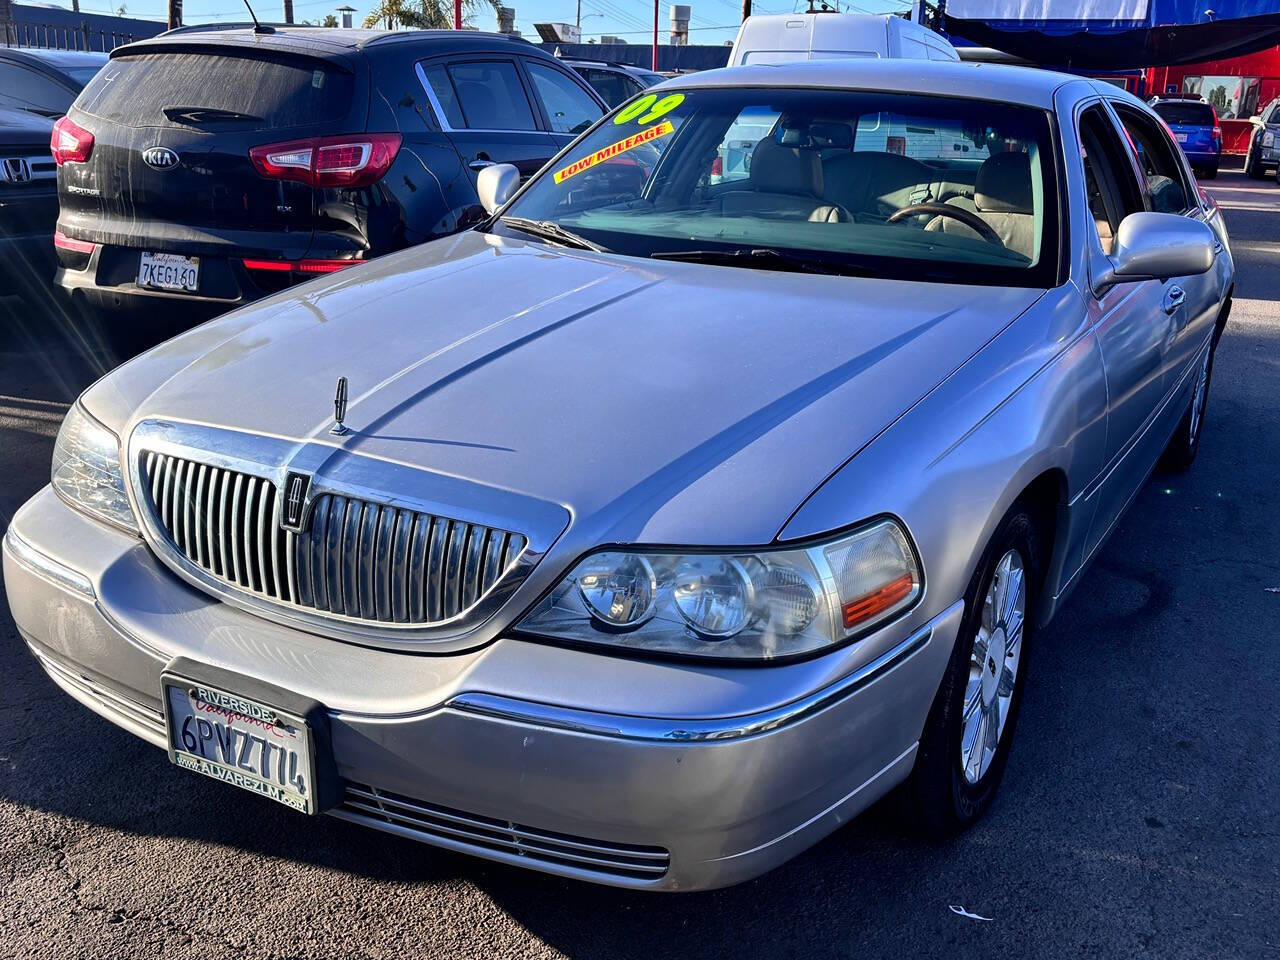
(1264, 65)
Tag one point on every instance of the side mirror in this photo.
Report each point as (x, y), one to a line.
(496, 184)
(1158, 246)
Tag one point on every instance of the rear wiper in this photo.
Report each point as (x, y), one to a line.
(765, 258)
(207, 115)
(548, 230)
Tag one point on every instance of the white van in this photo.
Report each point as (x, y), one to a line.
(827, 36)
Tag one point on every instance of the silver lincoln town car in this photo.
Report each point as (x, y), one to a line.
(712, 487)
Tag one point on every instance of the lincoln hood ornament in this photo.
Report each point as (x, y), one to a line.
(340, 409)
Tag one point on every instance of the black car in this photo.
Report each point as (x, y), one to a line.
(220, 165)
(45, 81)
(615, 82)
(28, 201)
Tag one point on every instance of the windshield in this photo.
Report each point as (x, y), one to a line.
(914, 187)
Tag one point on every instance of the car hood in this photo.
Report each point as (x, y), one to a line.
(657, 402)
(19, 128)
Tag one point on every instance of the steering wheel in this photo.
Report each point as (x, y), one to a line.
(967, 217)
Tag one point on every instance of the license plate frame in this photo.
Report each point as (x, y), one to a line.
(186, 278)
(222, 708)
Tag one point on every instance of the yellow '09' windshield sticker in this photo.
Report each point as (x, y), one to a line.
(611, 151)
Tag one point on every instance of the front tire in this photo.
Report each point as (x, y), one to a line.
(1252, 168)
(967, 737)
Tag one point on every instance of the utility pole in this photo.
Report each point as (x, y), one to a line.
(288, 11)
(175, 14)
(746, 9)
(655, 33)
(578, 21)
(457, 14)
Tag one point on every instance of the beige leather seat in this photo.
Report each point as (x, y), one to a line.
(1002, 197)
(785, 183)
(873, 185)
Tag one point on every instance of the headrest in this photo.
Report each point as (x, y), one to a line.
(1003, 184)
(779, 169)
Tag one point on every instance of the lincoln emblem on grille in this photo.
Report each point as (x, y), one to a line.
(340, 408)
(296, 486)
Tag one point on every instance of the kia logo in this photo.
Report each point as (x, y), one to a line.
(159, 158)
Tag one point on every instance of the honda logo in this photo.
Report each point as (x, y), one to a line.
(294, 510)
(159, 158)
(15, 169)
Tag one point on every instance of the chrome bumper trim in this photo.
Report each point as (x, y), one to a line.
(660, 730)
(46, 567)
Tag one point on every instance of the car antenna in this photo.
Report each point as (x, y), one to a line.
(257, 27)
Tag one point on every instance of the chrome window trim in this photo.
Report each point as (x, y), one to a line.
(658, 730)
(334, 470)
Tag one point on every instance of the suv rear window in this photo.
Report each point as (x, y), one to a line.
(269, 93)
(1194, 114)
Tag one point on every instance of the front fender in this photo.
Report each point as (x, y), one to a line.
(1032, 401)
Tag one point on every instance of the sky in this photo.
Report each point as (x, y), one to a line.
(713, 21)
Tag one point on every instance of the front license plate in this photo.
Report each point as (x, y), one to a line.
(169, 271)
(240, 741)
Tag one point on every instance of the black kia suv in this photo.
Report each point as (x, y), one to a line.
(219, 164)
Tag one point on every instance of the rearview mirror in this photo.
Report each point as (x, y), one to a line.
(496, 184)
(1158, 246)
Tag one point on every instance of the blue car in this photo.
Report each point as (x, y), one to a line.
(1195, 125)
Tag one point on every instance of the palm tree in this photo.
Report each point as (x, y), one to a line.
(424, 14)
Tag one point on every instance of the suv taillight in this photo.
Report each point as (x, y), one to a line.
(70, 142)
(356, 160)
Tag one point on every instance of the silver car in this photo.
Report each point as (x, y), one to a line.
(664, 522)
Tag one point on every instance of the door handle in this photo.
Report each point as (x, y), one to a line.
(1175, 298)
(480, 164)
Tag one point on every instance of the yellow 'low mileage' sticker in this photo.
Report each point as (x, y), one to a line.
(611, 151)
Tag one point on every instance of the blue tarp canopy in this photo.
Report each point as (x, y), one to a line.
(1116, 34)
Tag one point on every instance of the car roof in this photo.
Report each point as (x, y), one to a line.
(329, 43)
(604, 65)
(57, 59)
(1029, 86)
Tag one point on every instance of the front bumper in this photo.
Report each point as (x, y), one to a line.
(520, 752)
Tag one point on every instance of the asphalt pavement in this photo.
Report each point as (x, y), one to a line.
(1138, 817)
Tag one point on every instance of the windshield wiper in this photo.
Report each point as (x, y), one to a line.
(207, 115)
(764, 258)
(548, 230)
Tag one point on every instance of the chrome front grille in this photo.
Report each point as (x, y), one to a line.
(355, 558)
(501, 839)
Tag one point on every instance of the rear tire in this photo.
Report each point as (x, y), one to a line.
(1211, 173)
(961, 760)
(1185, 442)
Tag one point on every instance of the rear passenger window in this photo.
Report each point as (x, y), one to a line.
(1158, 158)
(1110, 184)
(199, 89)
(569, 108)
(490, 96)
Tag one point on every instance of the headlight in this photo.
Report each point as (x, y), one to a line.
(1268, 138)
(86, 470)
(742, 605)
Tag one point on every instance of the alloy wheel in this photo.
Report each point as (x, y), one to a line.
(993, 666)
